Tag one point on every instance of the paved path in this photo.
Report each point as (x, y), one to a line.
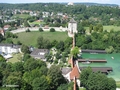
(60, 29)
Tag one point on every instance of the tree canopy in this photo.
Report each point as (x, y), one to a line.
(96, 80)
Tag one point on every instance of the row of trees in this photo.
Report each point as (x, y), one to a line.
(61, 45)
(8, 37)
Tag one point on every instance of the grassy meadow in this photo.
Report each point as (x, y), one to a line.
(30, 38)
(111, 27)
(37, 22)
(21, 16)
(118, 84)
(15, 58)
(108, 28)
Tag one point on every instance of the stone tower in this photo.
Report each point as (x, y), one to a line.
(72, 26)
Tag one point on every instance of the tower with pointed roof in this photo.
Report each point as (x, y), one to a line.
(72, 26)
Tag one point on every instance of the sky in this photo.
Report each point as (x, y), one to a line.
(47, 1)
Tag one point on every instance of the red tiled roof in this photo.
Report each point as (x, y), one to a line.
(74, 73)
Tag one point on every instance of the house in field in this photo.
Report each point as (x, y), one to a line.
(9, 48)
(2, 31)
(39, 54)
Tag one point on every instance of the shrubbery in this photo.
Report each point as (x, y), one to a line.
(52, 30)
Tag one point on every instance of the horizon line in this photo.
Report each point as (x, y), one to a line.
(56, 2)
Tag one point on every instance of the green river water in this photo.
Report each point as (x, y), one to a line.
(114, 63)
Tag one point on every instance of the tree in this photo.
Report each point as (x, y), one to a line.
(58, 56)
(26, 24)
(1, 23)
(40, 29)
(68, 43)
(84, 76)
(60, 46)
(68, 86)
(54, 43)
(111, 84)
(52, 30)
(1, 37)
(28, 30)
(105, 38)
(14, 79)
(25, 49)
(43, 43)
(32, 64)
(75, 52)
(41, 83)
(19, 43)
(29, 76)
(2, 59)
(1, 77)
(25, 85)
(48, 57)
(18, 66)
(110, 49)
(26, 57)
(56, 77)
(90, 28)
(8, 34)
(81, 29)
(97, 81)
(40, 42)
(88, 39)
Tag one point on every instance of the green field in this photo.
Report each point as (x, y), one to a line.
(118, 84)
(21, 16)
(30, 38)
(114, 28)
(108, 28)
(15, 58)
(37, 22)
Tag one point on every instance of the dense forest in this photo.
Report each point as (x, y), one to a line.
(99, 40)
(31, 74)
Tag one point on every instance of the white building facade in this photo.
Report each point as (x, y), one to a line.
(9, 48)
(72, 26)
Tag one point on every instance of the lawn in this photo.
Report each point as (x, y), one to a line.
(118, 84)
(108, 28)
(21, 16)
(30, 38)
(37, 22)
(15, 58)
(111, 27)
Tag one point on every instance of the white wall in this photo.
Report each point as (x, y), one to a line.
(9, 50)
(72, 27)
